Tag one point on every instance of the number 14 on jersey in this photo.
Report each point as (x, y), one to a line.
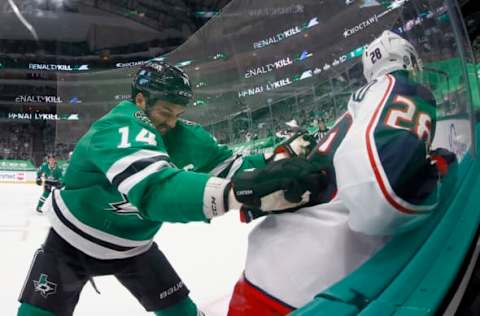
(144, 136)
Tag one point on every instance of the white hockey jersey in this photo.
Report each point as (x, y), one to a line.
(384, 184)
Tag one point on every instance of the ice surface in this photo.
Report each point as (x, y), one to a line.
(208, 257)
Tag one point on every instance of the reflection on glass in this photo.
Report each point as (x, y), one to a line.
(254, 67)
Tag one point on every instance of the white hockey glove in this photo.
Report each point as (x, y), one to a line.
(300, 144)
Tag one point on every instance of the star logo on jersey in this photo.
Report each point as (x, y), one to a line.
(44, 286)
(124, 207)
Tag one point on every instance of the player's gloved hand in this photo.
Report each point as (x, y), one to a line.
(443, 159)
(446, 168)
(300, 144)
(38, 181)
(282, 185)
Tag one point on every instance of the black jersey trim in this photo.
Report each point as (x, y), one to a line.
(75, 229)
(223, 168)
(136, 167)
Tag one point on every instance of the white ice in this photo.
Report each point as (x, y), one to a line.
(208, 257)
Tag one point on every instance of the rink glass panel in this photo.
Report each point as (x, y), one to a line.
(254, 66)
(258, 65)
(274, 62)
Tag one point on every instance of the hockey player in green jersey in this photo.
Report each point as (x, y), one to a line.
(126, 177)
(65, 165)
(52, 175)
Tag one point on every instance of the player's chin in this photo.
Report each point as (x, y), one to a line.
(163, 130)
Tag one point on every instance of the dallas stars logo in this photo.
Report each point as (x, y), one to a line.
(124, 207)
(44, 286)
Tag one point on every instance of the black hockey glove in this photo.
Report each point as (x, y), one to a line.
(38, 181)
(300, 144)
(282, 185)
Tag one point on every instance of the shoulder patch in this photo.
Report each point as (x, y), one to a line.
(187, 122)
(141, 116)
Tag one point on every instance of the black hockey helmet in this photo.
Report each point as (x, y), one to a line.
(158, 80)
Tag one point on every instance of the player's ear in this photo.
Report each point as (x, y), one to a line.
(140, 100)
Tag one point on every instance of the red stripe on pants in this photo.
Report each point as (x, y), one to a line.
(248, 300)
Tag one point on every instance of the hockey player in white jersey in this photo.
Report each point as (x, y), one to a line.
(385, 181)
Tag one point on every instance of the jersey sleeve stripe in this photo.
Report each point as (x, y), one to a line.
(122, 164)
(382, 181)
(221, 167)
(126, 185)
(136, 167)
(237, 164)
(228, 167)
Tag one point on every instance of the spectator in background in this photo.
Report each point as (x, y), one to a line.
(15, 141)
(322, 130)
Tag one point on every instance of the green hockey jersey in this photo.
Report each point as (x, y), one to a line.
(125, 179)
(65, 167)
(50, 174)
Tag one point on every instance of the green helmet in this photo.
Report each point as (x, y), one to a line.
(157, 80)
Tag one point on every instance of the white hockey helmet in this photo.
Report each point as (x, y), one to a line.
(387, 53)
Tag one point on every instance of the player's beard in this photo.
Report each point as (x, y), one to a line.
(162, 128)
(159, 123)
